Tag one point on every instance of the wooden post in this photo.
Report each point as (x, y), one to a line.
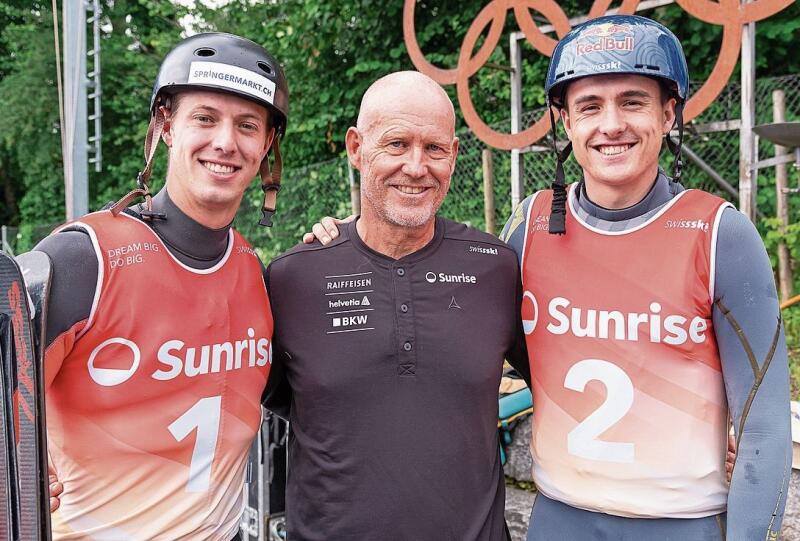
(488, 190)
(355, 190)
(781, 203)
(515, 59)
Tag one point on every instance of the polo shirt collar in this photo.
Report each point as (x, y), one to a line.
(427, 250)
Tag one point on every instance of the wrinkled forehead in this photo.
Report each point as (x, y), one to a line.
(411, 118)
(424, 123)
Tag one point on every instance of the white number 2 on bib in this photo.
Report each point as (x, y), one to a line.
(582, 440)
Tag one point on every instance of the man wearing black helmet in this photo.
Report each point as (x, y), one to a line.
(159, 330)
(650, 314)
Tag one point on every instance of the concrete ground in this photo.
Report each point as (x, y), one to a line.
(518, 511)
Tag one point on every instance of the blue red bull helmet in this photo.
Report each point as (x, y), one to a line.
(617, 44)
(614, 44)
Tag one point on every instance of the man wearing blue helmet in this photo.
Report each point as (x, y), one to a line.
(650, 314)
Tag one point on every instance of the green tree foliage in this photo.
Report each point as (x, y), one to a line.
(331, 52)
(136, 35)
(29, 127)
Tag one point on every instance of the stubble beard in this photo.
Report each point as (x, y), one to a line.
(404, 216)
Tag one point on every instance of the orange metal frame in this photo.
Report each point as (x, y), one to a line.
(729, 14)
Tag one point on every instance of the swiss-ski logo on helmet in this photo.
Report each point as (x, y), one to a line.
(605, 37)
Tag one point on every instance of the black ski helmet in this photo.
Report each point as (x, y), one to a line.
(227, 63)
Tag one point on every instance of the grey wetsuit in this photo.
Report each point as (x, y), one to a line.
(755, 371)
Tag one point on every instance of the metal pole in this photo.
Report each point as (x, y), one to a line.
(708, 170)
(747, 186)
(263, 485)
(75, 154)
(575, 21)
(94, 83)
(517, 188)
(355, 190)
(488, 191)
(781, 202)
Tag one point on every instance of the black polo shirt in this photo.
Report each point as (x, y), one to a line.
(393, 368)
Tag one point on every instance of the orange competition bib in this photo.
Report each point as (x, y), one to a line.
(153, 409)
(630, 414)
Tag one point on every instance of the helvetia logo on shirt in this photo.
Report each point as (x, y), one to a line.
(653, 326)
(176, 358)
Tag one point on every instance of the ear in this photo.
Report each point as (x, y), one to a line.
(669, 115)
(564, 114)
(166, 134)
(453, 154)
(268, 142)
(353, 143)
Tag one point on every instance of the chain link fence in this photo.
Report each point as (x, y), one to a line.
(307, 194)
(323, 189)
(715, 145)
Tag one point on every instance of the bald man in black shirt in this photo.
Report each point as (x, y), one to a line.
(389, 344)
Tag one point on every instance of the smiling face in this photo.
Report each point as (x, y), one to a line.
(216, 144)
(616, 124)
(405, 148)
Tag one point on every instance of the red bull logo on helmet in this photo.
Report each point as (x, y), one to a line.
(606, 37)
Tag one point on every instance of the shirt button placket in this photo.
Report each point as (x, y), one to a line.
(407, 366)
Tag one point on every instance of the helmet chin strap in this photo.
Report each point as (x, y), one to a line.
(271, 182)
(154, 131)
(675, 148)
(558, 209)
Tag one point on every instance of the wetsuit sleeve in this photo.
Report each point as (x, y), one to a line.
(72, 291)
(517, 357)
(277, 396)
(513, 232)
(752, 348)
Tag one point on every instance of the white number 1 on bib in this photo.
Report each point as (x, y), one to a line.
(204, 416)
(582, 440)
